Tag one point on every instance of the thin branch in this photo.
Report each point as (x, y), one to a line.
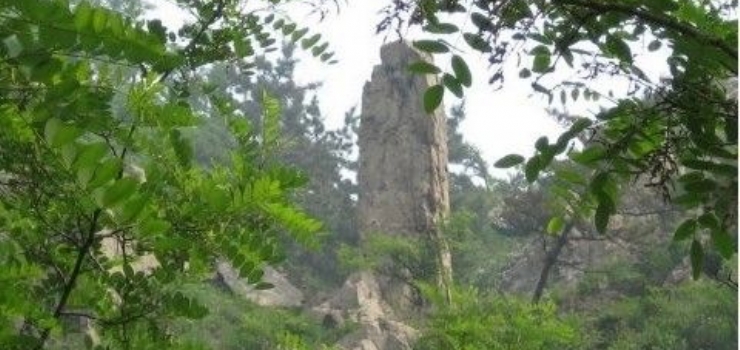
(78, 314)
(670, 23)
(72, 281)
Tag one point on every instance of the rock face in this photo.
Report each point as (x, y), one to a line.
(282, 294)
(403, 191)
(403, 151)
(402, 173)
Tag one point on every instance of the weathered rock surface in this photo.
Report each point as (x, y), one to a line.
(403, 151)
(577, 255)
(403, 186)
(282, 294)
(643, 222)
(360, 301)
(402, 173)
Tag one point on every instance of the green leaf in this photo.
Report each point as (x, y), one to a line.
(243, 48)
(183, 149)
(99, 20)
(654, 45)
(542, 144)
(541, 89)
(461, 70)
(555, 226)
(509, 161)
(704, 185)
(121, 190)
(685, 230)
(602, 215)
(579, 125)
(724, 243)
(541, 63)
(618, 48)
(453, 85)
(264, 286)
(570, 176)
(255, 276)
(59, 134)
(433, 98)
(311, 41)
(217, 197)
(431, 46)
(691, 177)
(105, 172)
(477, 42)
(589, 156)
(288, 28)
(532, 169)
(152, 226)
(298, 34)
(318, 50)
(710, 221)
(133, 208)
(423, 67)
(441, 28)
(697, 258)
(83, 16)
(90, 155)
(326, 56)
(481, 21)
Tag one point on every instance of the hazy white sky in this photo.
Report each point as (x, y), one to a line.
(498, 122)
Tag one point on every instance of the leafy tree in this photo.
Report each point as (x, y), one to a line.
(687, 149)
(319, 154)
(634, 312)
(103, 213)
(474, 321)
(234, 323)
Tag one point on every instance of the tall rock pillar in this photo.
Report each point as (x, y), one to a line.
(403, 158)
(403, 191)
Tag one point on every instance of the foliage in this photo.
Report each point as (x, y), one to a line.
(475, 321)
(234, 323)
(321, 155)
(687, 149)
(103, 213)
(700, 315)
(407, 258)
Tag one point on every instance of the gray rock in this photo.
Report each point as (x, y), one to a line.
(282, 294)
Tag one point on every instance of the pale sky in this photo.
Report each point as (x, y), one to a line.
(498, 122)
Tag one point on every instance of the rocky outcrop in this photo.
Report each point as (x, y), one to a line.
(579, 254)
(360, 301)
(643, 220)
(403, 190)
(283, 293)
(402, 173)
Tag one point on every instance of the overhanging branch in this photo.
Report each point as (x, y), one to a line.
(665, 21)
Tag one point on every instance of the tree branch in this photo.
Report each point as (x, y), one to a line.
(72, 281)
(665, 21)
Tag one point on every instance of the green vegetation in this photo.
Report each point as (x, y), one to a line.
(133, 157)
(234, 323)
(654, 131)
(497, 322)
(104, 214)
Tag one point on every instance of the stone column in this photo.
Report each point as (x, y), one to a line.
(402, 172)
